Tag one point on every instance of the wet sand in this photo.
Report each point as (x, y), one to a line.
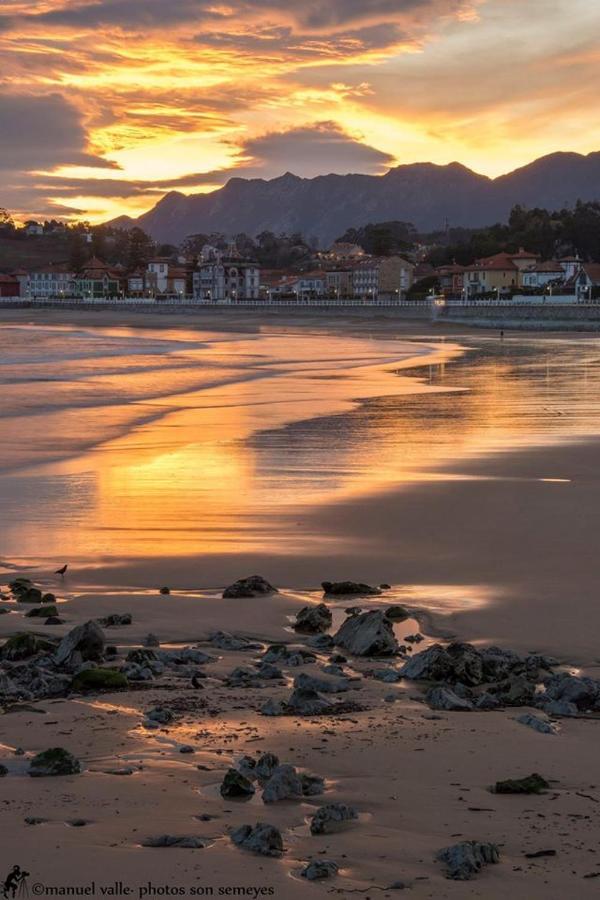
(497, 544)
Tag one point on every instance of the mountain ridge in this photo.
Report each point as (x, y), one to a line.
(323, 207)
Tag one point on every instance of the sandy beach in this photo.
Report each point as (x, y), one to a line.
(458, 469)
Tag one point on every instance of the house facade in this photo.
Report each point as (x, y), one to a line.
(543, 274)
(226, 279)
(54, 281)
(9, 286)
(98, 279)
(383, 278)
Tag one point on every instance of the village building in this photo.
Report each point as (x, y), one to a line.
(98, 279)
(223, 279)
(586, 281)
(50, 281)
(543, 274)
(9, 286)
(383, 278)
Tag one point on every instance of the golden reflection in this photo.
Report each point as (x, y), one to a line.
(211, 443)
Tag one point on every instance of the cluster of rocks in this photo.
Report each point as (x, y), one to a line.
(466, 859)
(278, 781)
(466, 678)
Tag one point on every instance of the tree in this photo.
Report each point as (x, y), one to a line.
(78, 251)
(140, 248)
(6, 220)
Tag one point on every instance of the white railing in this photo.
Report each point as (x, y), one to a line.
(191, 302)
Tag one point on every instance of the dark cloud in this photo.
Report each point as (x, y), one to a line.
(310, 150)
(322, 16)
(42, 132)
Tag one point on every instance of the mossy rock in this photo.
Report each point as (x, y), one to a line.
(53, 762)
(48, 598)
(42, 612)
(4, 610)
(99, 680)
(532, 784)
(21, 646)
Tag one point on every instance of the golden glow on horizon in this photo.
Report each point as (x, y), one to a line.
(160, 99)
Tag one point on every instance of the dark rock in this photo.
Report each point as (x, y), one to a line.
(288, 656)
(397, 613)
(320, 868)
(3, 771)
(531, 784)
(266, 765)
(99, 680)
(225, 641)
(330, 818)
(583, 692)
(321, 642)
(313, 619)
(273, 708)
(23, 646)
(53, 762)
(312, 785)
(466, 859)
(254, 586)
(517, 690)
(31, 595)
(115, 620)
(284, 784)
(261, 838)
(268, 672)
(54, 620)
(559, 708)
(160, 714)
(235, 785)
(370, 634)
(308, 702)
(164, 590)
(41, 612)
(446, 699)
(83, 643)
(538, 724)
(388, 676)
(322, 685)
(349, 588)
(184, 842)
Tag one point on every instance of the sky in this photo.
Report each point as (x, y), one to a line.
(105, 105)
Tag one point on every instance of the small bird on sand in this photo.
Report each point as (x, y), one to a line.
(62, 570)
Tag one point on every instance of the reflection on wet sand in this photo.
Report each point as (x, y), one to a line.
(218, 443)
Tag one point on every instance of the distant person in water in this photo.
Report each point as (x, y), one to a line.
(502, 334)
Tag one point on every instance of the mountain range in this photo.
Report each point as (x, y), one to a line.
(324, 207)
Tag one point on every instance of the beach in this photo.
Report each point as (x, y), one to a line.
(458, 468)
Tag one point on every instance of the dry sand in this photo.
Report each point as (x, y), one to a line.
(502, 552)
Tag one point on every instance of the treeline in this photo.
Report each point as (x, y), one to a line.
(550, 234)
(382, 238)
(269, 250)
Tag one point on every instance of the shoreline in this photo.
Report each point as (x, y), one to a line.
(521, 574)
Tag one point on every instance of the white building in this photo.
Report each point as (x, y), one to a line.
(158, 269)
(50, 281)
(223, 279)
(543, 274)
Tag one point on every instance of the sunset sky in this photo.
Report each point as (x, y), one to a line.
(107, 104)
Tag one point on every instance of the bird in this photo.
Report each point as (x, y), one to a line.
(62, 570)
